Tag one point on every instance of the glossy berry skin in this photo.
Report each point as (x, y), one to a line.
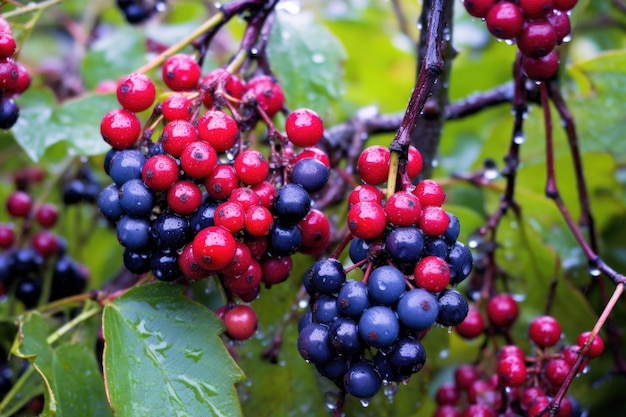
(258, 221)
(502, 310)
(221, 80)
(7, 236)
(136, 92)
(311, 174)
(418, 309)
(9, 74)
(214, 247)
(170, 231)
(284, 239)
(560, 21)
(181, 73)
(353, 299)
(415, 163)
(120, 128)
(505, 20)
(315, 232)
(373, 165)
(365, 193)
(219, 129)
(478, 8)
(133, 233)
(176, 107)
(512, 371)
(9, 112)
(160, 172)
(453, 308)
(430, 193)
(432, 274)
(403, 209)
(535, 9)
(46, 243)
(447, 394)
(184, 197)
(433, 221)
(176, 135)
(7, 44)
(556, 371)
(245, 196)
(135, 198)
(198, 159)
(361, 380)
(544, 331)
(464, 376)
(344, 335)
(473, 325)
(292, 203)
(246, 282)
(385, 285)
(240, 322)
(407, 356)
(251, 167)
(404, 245)
(19, 204)
(597, 346)
(367, 220)
(314, 153)
(537, 39)
(543, 68)
(304, 128)
(23, 80)
(47, 215)
(326, 276)
(222, 181)
(240, 263)
(230, 215)
(267, 93)
(324, 309)
(276, 270)
(379, 326)
(564, 5)
(314, 344)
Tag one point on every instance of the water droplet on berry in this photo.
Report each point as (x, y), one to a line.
(390, 391)
(365, 403)
(303, 303)
(594, 271)
(509, 42)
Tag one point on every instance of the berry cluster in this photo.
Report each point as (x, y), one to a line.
(14, 77)
(198, 202)
(363, 334)
(536, 26)
(138, 11)
(30, 255)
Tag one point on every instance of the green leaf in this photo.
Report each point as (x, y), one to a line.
(112, 56)
(43, 123)
(306, 58)
(73, 382)
(163, 356)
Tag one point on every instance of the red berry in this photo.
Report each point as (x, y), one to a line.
(245, 196)
(432, 273)
(446, 411)
(257, 246)
(564, 5)
(373, 165)
(246, 282)
(266, 192)
(135, 92)
(537, 39)
(478, 8)
(222, 181)
(240, 322)
(464, 376)
(502, 310)
(160, 172)
(366, 220)
(536, 407)
(512, 371)
(276, 270)
(430, 193)
(472, 326)
(230, 215)
(314, 153)
(184, 197)
(530, 395)
(176, 135)
(535, 9)
(541, 69)
(566, 408)
(447, 394)
(268, 94)
(511, 351)
(304, 128)
(561, 24)
(315, 229)
(251, 166)
(9, 74)
(415, 163)
(505, 20)
(241, 261)
(597, 346)
(556, 371)
(198, 159)
(214, 247)
(482, 392)
(23, 80)
(403, 209)
(433, 221)
(479, 410)
(177, 107)
(7, 45)
(47, 215)
(7, 236)
(120, 128)
(570, 355)
(544, 331)
(219, 129)
(221, 80)
(19, 204)
(188, 265)
(181, 73)
(365, 192)
(46, 243)
(258, 221)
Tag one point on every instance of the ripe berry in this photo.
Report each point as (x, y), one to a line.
(198, 159)
(135, 198)
(184, 197)
(379, 326)
(9, 74)
(47, 215)
(367, 220)
(505, 20)
(453, 307)
(240, 322)
(304, 128)
(177, 107)
(447, 394)
(135, 92)
(544, 331)
(9, 112)
(556, 371)
(133, 233)
(537, 39)
(7, 236)
(276, 270)
(219, 129)
(403, 209)
(415, 163)
(502, 310)
(247, 281)
(222, 181)
(221, 80)
(535, 9)
(310, 174)
(473, 325)
(188, 265)
(430, 193)
(404, 245)
(292, 203)
(433, 221)
(176, 135)
(373, 165)
(160, 172)
(561, 23)
(541, 69)
(464, 376)
(564, 5)
(326, 276)
(478, 8)
(512, 371)
(314, 153)
(251, 166)
(284, 239)
(19, 204)
(7, 44)
(597, 346)
(245, 196)
(241, 261)
(352, 299)
(315, 232)
(230, 215)
(365, 192)
(386, 284)
(120, 128)
(23, 80)
(214, 247)
(46, 243)
(268, 94)
(418, 309)
(266, 193)
(258, 220)
(314, 343)
(181, 73)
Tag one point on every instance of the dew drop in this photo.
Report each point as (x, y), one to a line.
(567, 38)
(491, 174)
(303, 303)
(594, 271)
(330, 401)
(365, 403)
(519, 138)
(472, 243)
(390, 391)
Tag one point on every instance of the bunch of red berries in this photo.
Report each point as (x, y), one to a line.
(536, 26)
(14, 77)
(362, 334)
(199, 201)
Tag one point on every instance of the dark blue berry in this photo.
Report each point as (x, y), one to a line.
(353, 299)
(327, 275)
(137, 262)
(126, 165)
(379, 326)
(314, 344)
(358, 250)
(408, 356)
(108, 158)
(404, 245)
(461, 262)
(28, 291)
(170, 231)
(454, 228)
(109, 203)
(344, 337)
(324, 309)
(204, 216)
(453, 308)
(334, 370)
(135, 198)
(74, 192)
(291, 203)
(6, 269)
(385, 370)
(67, 279)
(25, 262)
(435, 246)
(418, 309)
(361, 380)
(9, 112)
(386, 285)
(306, 318)
(310, 173)
(133, 232)
(164, 266)
(284, 239)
